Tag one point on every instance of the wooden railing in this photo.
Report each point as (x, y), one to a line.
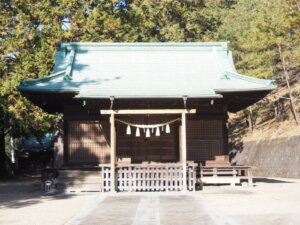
(149, 177)
(191, 176)
(105, 177)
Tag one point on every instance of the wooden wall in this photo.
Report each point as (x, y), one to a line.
(163, 148)
(87, 137)
(88, 142)
(205, 139)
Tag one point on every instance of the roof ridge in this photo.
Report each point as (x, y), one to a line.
(67, 73)
(64, 45)
(44, 79)
(250, 79)
(70, 64)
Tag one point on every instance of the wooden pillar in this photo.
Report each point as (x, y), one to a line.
(183, 151)
(112, 153)
(250, 177)
(59, 145)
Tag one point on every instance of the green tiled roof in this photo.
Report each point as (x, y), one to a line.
(145, 70)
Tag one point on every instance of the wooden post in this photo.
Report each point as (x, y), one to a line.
(112, 153)
(183, 151)
(250, 177)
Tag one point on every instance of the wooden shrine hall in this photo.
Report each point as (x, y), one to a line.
(141, 116)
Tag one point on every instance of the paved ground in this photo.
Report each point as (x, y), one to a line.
(23, 203)
(271, 202)
(149, 209)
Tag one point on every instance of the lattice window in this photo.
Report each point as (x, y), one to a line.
(205, 139)
(88, 142)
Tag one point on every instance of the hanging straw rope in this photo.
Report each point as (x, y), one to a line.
(147, 126)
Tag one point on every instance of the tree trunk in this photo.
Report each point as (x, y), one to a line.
(286, 76)
(276, 109)
(2, 152)
(3, 169)
(252, 119)
(12, 147)
(248, 115)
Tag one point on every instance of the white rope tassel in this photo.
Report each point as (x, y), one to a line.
(128, 130)
(147, 127)
(137, 132)
(148, 133)
(157, 132)
(168, 129)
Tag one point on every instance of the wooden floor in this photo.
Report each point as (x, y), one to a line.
(148, 209)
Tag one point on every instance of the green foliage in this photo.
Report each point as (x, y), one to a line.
(30, 30)
(286, 116)
(140, 21)
(29, 33)
(256, 30)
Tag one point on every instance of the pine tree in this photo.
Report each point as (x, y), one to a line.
(264, 36)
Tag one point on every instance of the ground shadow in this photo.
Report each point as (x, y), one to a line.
(269, 180)
(16, 193)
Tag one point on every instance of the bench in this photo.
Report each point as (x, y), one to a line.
(225, 174)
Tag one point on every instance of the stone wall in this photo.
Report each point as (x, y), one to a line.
(271, 158)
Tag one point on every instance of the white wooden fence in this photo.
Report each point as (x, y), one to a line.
(105, 177)
(149, 177)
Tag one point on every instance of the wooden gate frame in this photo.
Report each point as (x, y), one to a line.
(112, 114)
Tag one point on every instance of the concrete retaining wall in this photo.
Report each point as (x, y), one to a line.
(271, 158)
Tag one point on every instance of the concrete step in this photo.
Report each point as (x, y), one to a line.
(79, 181)
(76, 182)
(79, 185)
(78, 173)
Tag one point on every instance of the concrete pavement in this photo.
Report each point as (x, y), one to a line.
(149, 209)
